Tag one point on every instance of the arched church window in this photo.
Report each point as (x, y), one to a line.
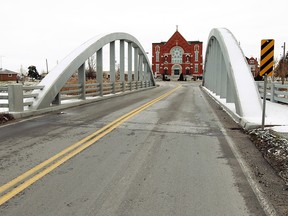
(176, 54)
(157, 51)
(196, 52)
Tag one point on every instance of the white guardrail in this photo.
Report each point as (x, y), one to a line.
(276, 92)
(13, 98)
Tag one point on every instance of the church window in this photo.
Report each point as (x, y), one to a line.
(157, 67)
(176, 53)
(196, 52)
(157, 51)
(196, 68)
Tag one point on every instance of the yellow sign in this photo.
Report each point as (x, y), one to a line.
(267, 57)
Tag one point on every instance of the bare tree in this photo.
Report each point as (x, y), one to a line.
(117, 72)
(91, 70)
(281, 69)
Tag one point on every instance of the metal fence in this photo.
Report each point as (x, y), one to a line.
(276, 92)
(15, 97)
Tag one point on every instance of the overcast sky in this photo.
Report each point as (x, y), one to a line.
(32, 31)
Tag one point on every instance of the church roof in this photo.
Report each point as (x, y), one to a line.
(178, 35)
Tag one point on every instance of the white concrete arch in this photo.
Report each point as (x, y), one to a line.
(226, 73)
(57, 78)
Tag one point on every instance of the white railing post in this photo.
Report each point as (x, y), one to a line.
(15, 97)
(272, 92)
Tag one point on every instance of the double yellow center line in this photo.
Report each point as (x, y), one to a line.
(12, 188)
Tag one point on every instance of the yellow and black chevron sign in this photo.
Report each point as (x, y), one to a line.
(267, 57)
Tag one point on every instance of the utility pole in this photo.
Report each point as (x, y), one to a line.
(284, 51)
(47, 66)
(1, 56)
(283, 72)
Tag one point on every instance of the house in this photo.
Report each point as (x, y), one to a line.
(177, 56)
(253, 65)
(7, 75)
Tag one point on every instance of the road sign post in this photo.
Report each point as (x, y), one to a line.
(266, 68)
(264, 102)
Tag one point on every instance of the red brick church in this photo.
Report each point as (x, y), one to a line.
(177, 56)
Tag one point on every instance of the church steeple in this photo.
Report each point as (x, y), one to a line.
(177, 28)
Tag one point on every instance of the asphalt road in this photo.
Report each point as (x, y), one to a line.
(170, 158)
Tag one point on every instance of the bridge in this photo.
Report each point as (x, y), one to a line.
(165, 150)
(226, 75)
(48, 92)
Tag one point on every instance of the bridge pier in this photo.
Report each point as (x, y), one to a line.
(136, 69)
(129, 61)
(112, 65)
(82, 81)
(122, 61)
(224, 79)
(140, 66)
(218, 72)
